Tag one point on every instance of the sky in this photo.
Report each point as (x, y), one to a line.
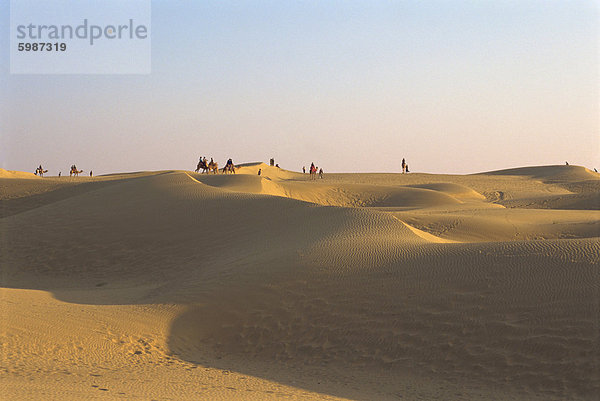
(453, 86)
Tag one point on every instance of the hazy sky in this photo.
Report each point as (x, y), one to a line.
(453, 86)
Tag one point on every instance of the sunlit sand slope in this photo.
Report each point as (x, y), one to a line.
(355, 286)
(16, 174)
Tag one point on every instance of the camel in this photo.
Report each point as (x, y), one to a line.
(229, 168)
(40, 171)
(74, 171)
(201, 166)
(207, 167)
(214, 167)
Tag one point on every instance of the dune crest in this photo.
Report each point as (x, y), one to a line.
(16, 174)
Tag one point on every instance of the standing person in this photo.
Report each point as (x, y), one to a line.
(321, 173)
(91, 173)
(303, 170)
(259, 171)
(403, 165)
(407, 167)
(59, 173)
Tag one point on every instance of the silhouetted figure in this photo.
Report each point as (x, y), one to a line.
(407, 168)
(403, 166)
(91, 173)
(277, 165)
(303, 170)
(321, 173)
(566, 163)
(59, 173)
(272, 162)
(259, 171)
(595, 171)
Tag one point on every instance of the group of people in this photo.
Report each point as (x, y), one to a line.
(206, 166)
(75, 172)
(313, 171)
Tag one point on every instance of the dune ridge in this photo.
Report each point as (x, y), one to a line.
(356, 286)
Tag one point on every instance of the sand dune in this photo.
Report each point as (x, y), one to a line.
(16, 174)
(357, 286)
(550, 173)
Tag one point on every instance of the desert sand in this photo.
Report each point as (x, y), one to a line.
(183, 286)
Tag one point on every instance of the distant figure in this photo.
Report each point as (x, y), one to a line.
(595, 171)
(259, 171)
(59, 173)
(205, 166)
(272, 162)
(40, 171)
(277, 165)
(313, 171)
(566, 163)
(229, 167)
(407, 167)
(403, 166)
(74, 171)
(212, 166)
(303, 170)
(321, 173)
(91, 173)
(201, 166)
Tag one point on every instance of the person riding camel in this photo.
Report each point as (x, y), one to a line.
(229, 167)
(74, 171)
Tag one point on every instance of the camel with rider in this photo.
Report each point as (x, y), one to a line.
(212, 166)
(40, 171)
(74, 171)
(229, 167)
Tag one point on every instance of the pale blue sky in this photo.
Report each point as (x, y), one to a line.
(453, 86)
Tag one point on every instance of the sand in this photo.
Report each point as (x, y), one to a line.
(177, 285)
